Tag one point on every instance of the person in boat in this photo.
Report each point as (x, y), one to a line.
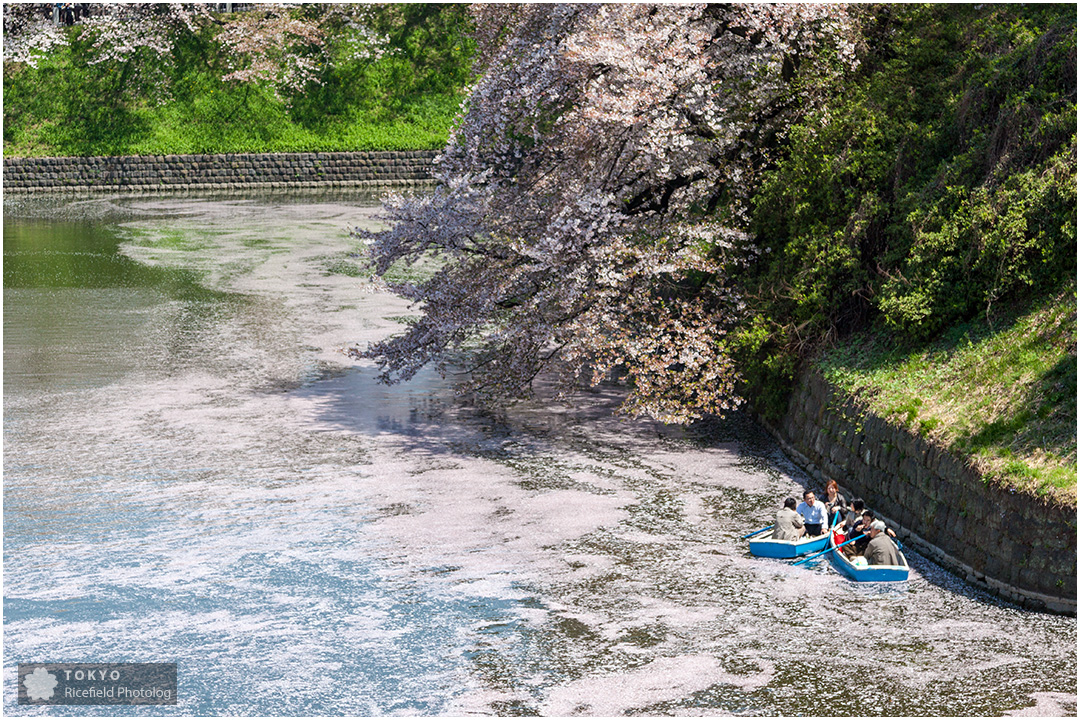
(813, 514)
(854, 515)
(834, 501)
(881, 550)
(861, 530)
(789, 524)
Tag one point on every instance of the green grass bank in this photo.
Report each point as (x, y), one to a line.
(81, 100)
(1001, 392)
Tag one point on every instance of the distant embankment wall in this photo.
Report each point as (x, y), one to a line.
(233, 171)
(1009, 543)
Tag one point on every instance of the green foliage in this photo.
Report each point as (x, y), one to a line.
(426, 70)
(1004, 395)
(934, 184)
(928, 425)
(405, 100)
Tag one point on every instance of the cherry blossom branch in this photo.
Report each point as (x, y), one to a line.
(593, 191)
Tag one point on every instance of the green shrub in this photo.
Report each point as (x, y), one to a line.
(935, 185)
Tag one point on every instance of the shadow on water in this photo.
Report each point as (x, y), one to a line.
(356, 401)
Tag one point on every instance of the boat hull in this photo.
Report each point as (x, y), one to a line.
(871, 573)
(763, 545)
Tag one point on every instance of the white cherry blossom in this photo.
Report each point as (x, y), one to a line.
(595, 190)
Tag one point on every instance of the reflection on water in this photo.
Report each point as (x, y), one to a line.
(195, 473)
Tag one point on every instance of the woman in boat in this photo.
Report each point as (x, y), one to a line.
(834, 501)
(854, 515)
(859, 528)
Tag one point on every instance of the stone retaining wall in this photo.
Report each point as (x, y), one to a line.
(235, 171)
(1006, 542)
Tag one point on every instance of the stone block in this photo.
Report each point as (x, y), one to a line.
(1065, 586)
(958, 524)
(839, 455)
(1029, 579)
(996, 567)
(908, 470)
(979, 562)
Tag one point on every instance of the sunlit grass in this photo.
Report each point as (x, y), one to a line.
(210, 117)
(1002, 393)
(170, 131)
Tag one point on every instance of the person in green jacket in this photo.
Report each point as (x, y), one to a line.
(881, 550)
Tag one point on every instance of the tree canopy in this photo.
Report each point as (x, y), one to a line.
(596, 189)
(157, 78)
(937, 184)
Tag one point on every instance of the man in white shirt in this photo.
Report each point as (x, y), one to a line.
(814, 515)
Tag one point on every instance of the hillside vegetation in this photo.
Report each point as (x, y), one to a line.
(80, 100)
(923, 237)
(1002, 393)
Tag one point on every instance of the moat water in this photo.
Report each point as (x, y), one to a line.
(194, 472)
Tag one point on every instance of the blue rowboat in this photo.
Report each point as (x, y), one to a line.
(867, 573)
(763, 545)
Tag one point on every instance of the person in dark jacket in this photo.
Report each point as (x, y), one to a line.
(834, 502)
(854, 515)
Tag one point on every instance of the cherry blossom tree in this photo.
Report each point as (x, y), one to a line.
(120, 30)
(116, 31)
(290, 48)
(129, 46)
(285, 46)
(119, 51)
(29, 33)
(593, 197)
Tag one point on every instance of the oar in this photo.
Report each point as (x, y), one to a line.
(757, 531)
(811, 557)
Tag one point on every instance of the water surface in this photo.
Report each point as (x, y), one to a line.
(196, 473)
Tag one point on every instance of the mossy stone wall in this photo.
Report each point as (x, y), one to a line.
(233, 171)
(1013, 544)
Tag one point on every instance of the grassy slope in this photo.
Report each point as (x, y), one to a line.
(407, 100)
(228, 121)
(1003, 394)
(185, 137)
